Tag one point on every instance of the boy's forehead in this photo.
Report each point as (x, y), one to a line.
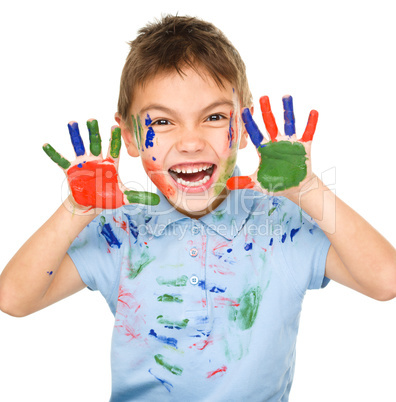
(191, 85)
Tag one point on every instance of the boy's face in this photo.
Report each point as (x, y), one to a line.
(187, 131)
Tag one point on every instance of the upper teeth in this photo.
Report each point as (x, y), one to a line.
(191, 170)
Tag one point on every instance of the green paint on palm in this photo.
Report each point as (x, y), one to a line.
(169, 299)
(56, 157)
(94, 137)
(246, 313)
(142, 197)
(115, 144)
(282, 165)
(180, 281)
(176, 370)
(178, 324)
(139, 265)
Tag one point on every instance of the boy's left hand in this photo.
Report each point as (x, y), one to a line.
(285, 161)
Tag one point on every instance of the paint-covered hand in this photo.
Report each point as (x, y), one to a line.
(94, 181)
(285, 161)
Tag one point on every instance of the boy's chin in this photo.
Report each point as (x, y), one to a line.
(198, 205)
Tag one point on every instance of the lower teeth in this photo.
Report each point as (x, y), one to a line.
(193, 183)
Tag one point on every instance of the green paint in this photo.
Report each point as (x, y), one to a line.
(135, 130)
(102, 220)
(57, 158)
(173, 369)
(142, 197)
(140, 128)
(219, 215)
(180, 281)
(115, 144)
(169, 299)
(227, 167)
(94, 137)
(246, 313)
(282, 165)
(271, 211)
(179, 324)
(139, 265)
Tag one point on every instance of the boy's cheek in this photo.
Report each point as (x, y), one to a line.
(160, 178)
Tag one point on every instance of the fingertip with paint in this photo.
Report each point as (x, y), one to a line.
(251, 127)
(75, 138)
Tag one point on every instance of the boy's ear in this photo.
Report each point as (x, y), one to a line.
(245, 135)
(128, 136)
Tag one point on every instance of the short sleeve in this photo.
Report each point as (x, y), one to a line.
(97, 255)
(304, 247)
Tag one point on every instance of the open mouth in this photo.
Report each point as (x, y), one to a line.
(193, 174)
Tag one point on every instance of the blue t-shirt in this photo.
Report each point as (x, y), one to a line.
(205, 309)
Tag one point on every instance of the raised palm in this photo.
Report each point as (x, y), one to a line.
(285, 161)
(94, 181)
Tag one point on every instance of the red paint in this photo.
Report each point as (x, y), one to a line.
(222, 369)
(202, 345)
(225, 301)
(268, 117)
(95, 184)
(159, 178)
(122, 225)
(311, 126)
(240, 182)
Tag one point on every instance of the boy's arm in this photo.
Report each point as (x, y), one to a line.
(359, 257)
(41, 273)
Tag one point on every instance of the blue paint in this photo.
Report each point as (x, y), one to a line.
(132, 226)
(150, 133)
(80, 165)
(248, 246)
(76, 139)
(147, 219)
(154, 159)
(202, 285)
(293, 232)
(229, 250)
(108, 234)
(251, 127)
(50, 272)
(290, 128)
(164, 339)
(230, 131)
(165, 383)
(284, 237)
(215, 289)
(271, 241)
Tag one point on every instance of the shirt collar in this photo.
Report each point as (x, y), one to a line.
(227, 220)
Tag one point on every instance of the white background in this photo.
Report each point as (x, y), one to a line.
(62, 61)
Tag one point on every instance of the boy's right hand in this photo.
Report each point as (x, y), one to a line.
(94, 181)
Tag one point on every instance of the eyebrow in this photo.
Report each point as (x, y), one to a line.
(165, 109)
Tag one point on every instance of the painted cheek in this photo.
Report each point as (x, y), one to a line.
(159, 178)
(94, 185)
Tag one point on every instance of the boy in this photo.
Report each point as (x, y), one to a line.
(206, 287)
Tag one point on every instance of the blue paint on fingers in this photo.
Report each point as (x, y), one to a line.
(251, 127)
(76, 139)
(290, 128)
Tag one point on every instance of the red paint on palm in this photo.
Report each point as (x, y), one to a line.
(268, 117)
(95, 184)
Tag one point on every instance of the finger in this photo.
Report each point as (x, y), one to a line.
(142, 197)
(268, 117)
(290, 128)
(76, 139)
(240, 182)
(94, 137)
(311, 126)
(56, 157)
(251, 127)
(115, 143)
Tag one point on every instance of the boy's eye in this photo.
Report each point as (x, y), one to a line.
(160, 122)
(215, 117)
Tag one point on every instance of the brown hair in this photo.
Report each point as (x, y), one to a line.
(176, 42)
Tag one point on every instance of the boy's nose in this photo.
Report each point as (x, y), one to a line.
(191, 142)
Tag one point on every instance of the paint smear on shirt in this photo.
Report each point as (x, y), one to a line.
(170, 298)
(180, 281)
(246, 314)
(172, 324)
(164, 339)
(165, 383)
(173, 369)
(108, 234)
(221, 370)
(139, 265)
